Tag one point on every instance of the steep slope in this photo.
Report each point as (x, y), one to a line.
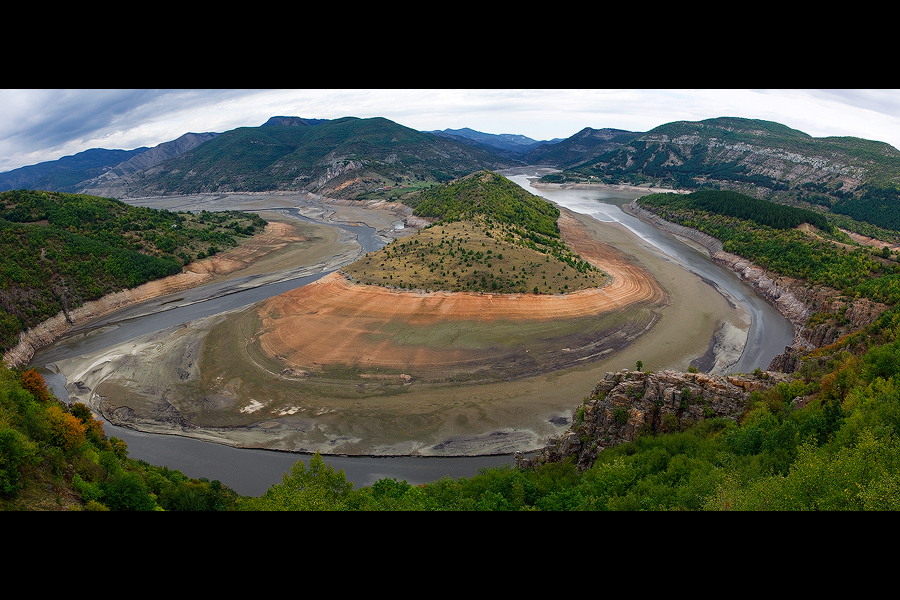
(106, 183)
(96, 171)
(349, 156)
(65, 174)
(846, 175)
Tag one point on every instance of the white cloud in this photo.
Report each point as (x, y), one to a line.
(40, 125)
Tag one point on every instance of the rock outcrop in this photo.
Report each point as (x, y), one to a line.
(798, 301)
(627, 403)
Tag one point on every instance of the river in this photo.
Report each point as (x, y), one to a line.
(769, 331)
(251, 472)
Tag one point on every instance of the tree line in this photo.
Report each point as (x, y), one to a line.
(59, 250)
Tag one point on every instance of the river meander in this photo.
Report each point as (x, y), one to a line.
(252, 471)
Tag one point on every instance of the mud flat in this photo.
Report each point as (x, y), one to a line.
(301, 373)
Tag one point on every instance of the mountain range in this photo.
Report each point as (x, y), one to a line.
(844, 175)
(377, 158)
(350, 155)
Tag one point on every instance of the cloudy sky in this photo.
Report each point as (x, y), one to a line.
(47, 124)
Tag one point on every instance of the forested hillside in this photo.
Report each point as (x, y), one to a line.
(352, 156)
(848, 176)
(59, 250)
(772, 240)
(489, 235)
(57, 457)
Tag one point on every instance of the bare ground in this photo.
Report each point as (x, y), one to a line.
(245, 379)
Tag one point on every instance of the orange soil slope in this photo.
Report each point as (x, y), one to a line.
(276, 236)
(334, 321)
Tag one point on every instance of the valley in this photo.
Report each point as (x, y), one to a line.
(427, 299)
(261, 376)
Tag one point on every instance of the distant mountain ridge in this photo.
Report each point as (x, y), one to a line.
(846, 175)
(503, 141)
(66, 172)
(95, 167)
(349, 156)
(376, 158)
(579, 148)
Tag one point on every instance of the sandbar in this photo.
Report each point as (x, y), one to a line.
(233, 379)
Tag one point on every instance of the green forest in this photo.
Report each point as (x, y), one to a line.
(770, 238)
(486, 193)
(60, 250)
(838, 449)
(841, 451)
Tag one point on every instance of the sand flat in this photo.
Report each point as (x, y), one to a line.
(216, 379)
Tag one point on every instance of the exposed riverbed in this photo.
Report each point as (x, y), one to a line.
(726, 317)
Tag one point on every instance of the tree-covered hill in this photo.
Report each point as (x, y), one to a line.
(767, 234)
(580, 148)
(350, 156)
(59, 250)
(67, 172)
(490, 235)
(488, 194)
(849, 176)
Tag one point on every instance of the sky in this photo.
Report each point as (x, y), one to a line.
(38, 125)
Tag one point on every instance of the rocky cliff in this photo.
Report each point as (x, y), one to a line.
(797, 300)
(628, 403)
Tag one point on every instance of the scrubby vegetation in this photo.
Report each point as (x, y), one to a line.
(59, 250)
(770, 238)
(829, 440)
(56, 457)
(491, 236)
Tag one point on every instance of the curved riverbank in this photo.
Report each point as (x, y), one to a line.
(389, 415)
(283, 251)
(221, 267)
(796, 300)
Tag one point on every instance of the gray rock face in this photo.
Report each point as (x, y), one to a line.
(795, 299)
(627, 403)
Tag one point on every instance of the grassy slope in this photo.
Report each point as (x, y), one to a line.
(491, 236)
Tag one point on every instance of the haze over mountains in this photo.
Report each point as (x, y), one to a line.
(112, 172)
(376, 158)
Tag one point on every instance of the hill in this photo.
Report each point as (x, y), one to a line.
(67, 172)
(490, 235)
(59, 250)
(582, 147)
(94, 168)
(848, 176)
(349, 156)
(510, 146)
